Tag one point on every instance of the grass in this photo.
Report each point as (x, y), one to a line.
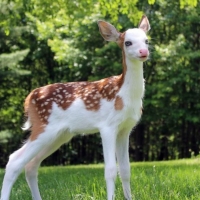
(169, 180)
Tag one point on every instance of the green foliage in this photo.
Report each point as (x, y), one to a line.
(43, 42)
(184, 3)
(9, 63)
(116, 8)
(172, 85)
(4, 136)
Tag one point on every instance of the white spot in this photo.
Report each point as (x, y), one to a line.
(33, 101)
(60, 96)
(111, 91)
(116, 88)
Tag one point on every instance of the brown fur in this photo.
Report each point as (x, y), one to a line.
(38, 104)
(119, 103)
(37, 125)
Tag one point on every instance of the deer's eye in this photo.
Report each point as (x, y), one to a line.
(147, 41)
(128, 43)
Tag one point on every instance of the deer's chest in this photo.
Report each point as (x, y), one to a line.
(132, 102)
(132, 109)
(121, 112)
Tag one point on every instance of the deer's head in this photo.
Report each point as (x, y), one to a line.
(133, 42)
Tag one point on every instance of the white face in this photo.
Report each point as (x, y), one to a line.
(136, 44)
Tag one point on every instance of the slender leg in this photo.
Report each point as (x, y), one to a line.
(16, 163)
(109, 146)
(20, 158)
(123, 161)
(9, 177)
(32, 167)
(31, 177)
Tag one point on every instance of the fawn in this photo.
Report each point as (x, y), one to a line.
(111, 106)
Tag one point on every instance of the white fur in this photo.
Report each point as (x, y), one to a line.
(27, 125)
(137, 37)
(113, 124)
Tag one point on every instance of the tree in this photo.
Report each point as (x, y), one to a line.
(44, 42)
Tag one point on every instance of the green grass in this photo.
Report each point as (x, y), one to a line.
(168, 180)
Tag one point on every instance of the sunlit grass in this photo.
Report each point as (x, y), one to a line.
(168, 180)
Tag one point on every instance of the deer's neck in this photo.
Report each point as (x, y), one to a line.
(133, 81)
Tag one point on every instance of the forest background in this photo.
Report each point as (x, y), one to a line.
(44, 41)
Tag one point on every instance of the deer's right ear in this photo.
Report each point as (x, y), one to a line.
(144, 24)
(108, 31)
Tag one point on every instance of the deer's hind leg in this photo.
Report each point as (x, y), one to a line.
(16, 164)
(32, 167)
(13, 169)
(21, 157)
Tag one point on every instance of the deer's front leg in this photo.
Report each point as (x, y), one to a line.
(122, 146)
(109, 147)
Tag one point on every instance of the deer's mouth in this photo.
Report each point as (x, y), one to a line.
(143, 58)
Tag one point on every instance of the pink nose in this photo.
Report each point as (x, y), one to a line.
(144, 52)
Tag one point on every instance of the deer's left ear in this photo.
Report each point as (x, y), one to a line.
(108, 31)
(144, 24)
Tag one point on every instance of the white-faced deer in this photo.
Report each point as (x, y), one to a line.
(111, 106)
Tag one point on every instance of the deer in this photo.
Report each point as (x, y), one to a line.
(112, 106)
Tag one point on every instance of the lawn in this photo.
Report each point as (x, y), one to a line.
(149, 181)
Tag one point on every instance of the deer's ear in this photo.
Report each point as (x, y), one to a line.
(108, 31)
(144, 24)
